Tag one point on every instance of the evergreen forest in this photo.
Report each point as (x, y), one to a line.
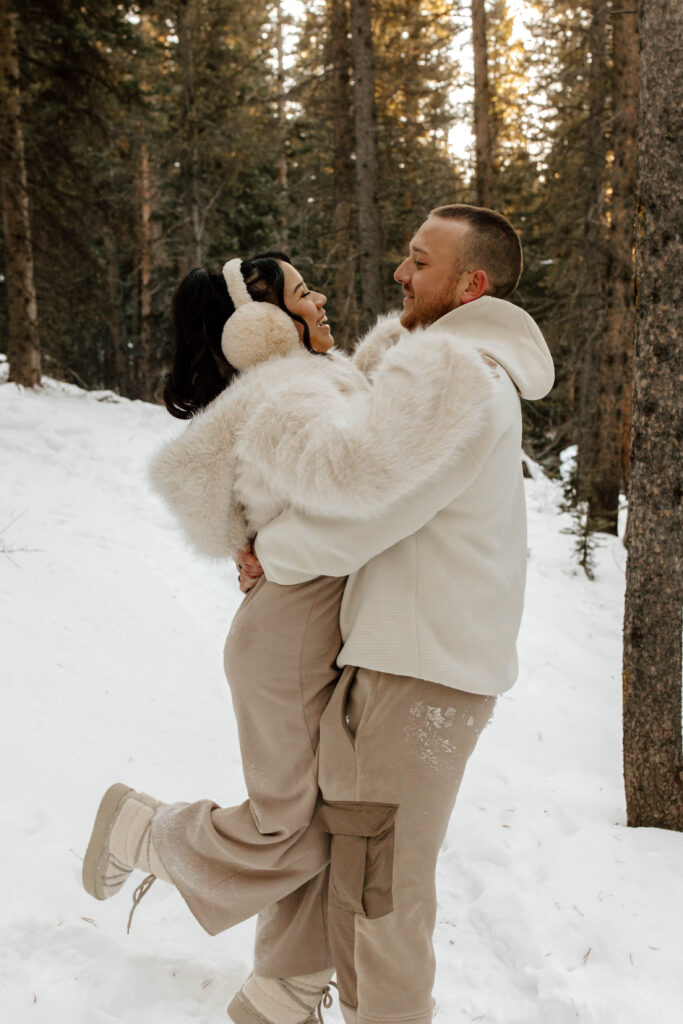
(141, 139)
(170, 134)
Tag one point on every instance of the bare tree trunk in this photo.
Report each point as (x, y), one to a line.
(118, 361)
(653, 755)
(145, 269)
(282, 129)
(611, 421)
(23, 350)
(626, 50)
(593, 276)
(343, 252)
(369, 225)
(187, 25)
(482, 107)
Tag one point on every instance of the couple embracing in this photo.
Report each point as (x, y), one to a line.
(375, 506)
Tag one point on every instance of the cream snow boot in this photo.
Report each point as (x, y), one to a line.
(121, 841)
(296, 1000)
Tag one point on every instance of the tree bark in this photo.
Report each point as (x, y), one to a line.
(23, 351)
(653, 758)
(626, 51)
(187, 25)
(593, 278)
(612, 413)
(369, 225)
(117, 364)
(343, 253)
(144, 341)
(482, 107)
(282, 128)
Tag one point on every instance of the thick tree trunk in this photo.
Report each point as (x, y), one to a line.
(612, 413)
(592, 294)
(23, 351)
(369, 225)
(187, 25)
(343, 253)
(653, 757)
(482, 107)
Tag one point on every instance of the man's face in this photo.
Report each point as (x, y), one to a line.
(433, 276)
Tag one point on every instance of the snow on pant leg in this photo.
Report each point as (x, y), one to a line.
(393, 740)
(232, 862)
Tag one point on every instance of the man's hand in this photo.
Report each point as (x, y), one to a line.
(249, 568)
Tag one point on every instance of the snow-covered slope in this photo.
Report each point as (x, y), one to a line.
(551, 911)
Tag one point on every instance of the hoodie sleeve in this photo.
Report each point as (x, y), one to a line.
(360, 452)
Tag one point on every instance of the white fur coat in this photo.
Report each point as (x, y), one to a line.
(329, 435)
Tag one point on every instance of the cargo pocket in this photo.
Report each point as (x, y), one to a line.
(362, 855)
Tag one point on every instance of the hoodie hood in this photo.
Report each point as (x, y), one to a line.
(507, 334)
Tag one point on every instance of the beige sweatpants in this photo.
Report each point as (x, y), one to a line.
(230, 863)
(392, 755)
(394, 740)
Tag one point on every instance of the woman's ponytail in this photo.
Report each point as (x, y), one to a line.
(201, 306)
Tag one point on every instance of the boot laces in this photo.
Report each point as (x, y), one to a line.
(325, 1001)
(142, 890)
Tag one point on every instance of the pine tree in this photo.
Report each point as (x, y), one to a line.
(108, 146)
(414, 113)
(343, 254)
(370, 239)
(584, 216)
(594, 274)
(565, 221)
(612, 411)
(482, 108)
(23, 343)
(76, 65)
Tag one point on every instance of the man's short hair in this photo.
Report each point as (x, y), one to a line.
(493, 245)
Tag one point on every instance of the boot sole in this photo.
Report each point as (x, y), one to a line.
(96, 856)
(242, 1012)
(238, 1012)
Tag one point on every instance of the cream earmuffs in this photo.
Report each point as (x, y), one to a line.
(256, 331)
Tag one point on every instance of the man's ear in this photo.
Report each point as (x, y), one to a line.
(476, 287)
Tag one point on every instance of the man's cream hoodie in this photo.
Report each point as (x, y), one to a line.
(436, 579)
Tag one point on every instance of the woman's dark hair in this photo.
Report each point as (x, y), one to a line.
(201, 307)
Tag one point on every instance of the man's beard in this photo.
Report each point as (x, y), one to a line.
(425, 314)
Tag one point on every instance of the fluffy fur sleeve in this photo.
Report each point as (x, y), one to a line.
(195, 475)
(371, 348)
(355, 455)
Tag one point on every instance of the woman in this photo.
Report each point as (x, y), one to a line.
(279, 418)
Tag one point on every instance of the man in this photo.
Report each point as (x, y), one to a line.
(429, 621)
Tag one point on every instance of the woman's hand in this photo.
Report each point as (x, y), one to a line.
(249, 569)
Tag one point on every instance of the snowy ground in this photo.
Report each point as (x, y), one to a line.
(551, 911)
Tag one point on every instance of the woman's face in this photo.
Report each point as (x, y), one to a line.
(310, 306)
